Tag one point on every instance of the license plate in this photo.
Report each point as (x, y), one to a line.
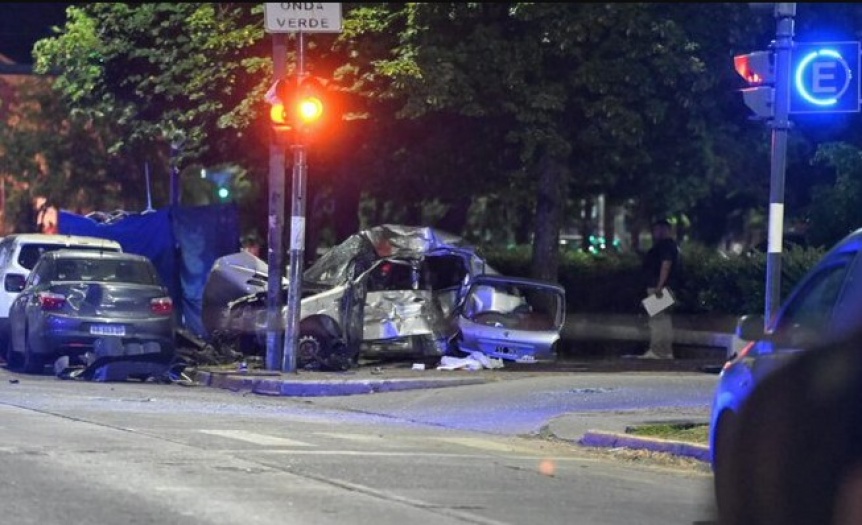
(108, 329)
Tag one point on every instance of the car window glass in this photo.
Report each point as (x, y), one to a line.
(30, 253)
(104, 270)
(41, 273)
(810, 311)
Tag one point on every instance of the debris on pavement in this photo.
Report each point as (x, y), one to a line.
(474, 361)
(108, 368)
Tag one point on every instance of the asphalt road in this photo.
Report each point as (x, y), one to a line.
(117, 453)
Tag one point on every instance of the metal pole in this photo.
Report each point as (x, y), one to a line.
(297, 251)
(275, 248)
(784, 13)
(297, 236)
(178, 139)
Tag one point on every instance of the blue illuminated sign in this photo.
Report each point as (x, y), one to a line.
(825, 77)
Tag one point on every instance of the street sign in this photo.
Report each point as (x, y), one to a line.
(825, 77)
(302, 17)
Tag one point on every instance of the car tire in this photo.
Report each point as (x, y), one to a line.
(31, 362)
(320, 345)
(14, 360)
(5, 348)
(722, 462)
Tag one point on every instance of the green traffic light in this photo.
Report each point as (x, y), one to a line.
(223, 193)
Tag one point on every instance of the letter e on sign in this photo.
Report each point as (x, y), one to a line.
(302, 17)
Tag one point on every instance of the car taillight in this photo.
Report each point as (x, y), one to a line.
(162, 305)
(51, 301)
(742, 353)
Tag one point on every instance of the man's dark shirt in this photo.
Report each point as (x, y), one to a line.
(663, 250)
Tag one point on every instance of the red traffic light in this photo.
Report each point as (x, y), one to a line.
(299, 105)
(310, 102)
(310, 109)
(756, 68)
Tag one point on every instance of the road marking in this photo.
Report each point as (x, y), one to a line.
(485, 444)
(362, 438)
(257, 439)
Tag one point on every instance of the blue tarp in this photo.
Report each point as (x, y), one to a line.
(182, 242)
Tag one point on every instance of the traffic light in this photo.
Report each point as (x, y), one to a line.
(297, 106)
(310, 108)
(223, 193)
(279, 96)
(758, 70)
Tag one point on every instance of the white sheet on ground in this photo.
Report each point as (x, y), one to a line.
(474, 361)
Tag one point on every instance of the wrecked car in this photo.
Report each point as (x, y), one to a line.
(389, 291)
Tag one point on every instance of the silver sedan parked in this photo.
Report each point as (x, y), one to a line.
(78, 302)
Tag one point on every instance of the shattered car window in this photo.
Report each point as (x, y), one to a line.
(334, 266)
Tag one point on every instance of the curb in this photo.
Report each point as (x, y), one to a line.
(268, 385)
(614, 440)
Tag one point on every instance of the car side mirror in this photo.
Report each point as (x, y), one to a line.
(750, 328)
(14, 282)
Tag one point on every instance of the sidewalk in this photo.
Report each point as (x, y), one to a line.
(577, 428)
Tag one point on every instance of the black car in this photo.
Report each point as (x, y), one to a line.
(76, 302)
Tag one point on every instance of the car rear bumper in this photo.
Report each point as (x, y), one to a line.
(67, 336)
(513, 349)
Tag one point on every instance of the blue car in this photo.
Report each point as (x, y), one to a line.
(825, 306)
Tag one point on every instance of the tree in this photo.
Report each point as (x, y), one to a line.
(51, 152)
(580, 88)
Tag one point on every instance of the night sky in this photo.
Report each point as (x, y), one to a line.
(21, 25)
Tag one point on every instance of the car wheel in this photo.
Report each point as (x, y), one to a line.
(14, 360)
(5, 348)
(722, 476)
(320, 345)
(32, 363)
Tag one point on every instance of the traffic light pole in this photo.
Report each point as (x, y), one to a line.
(784, 13)
(297, 252)
(297, 235)
(275, 241)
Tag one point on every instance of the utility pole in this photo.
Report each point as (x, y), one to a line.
(297, 18)
(297, 233)
(275, 248)
(784, 13)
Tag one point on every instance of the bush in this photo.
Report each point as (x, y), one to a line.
(712, 282)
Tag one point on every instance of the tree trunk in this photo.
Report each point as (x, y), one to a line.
(455, 219)
(585, 223)
(345, 214)
(610, 227)
(549, 213)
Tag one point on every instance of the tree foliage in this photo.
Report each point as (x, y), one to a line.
(491, 119)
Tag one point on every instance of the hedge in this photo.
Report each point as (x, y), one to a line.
(712, 282)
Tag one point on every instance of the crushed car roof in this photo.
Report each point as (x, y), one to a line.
(387, 240)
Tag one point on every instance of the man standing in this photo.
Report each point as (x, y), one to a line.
(661, 270)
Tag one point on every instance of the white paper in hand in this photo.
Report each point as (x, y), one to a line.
(654, 304)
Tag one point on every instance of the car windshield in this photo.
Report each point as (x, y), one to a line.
(30, 253)
(107, 270)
